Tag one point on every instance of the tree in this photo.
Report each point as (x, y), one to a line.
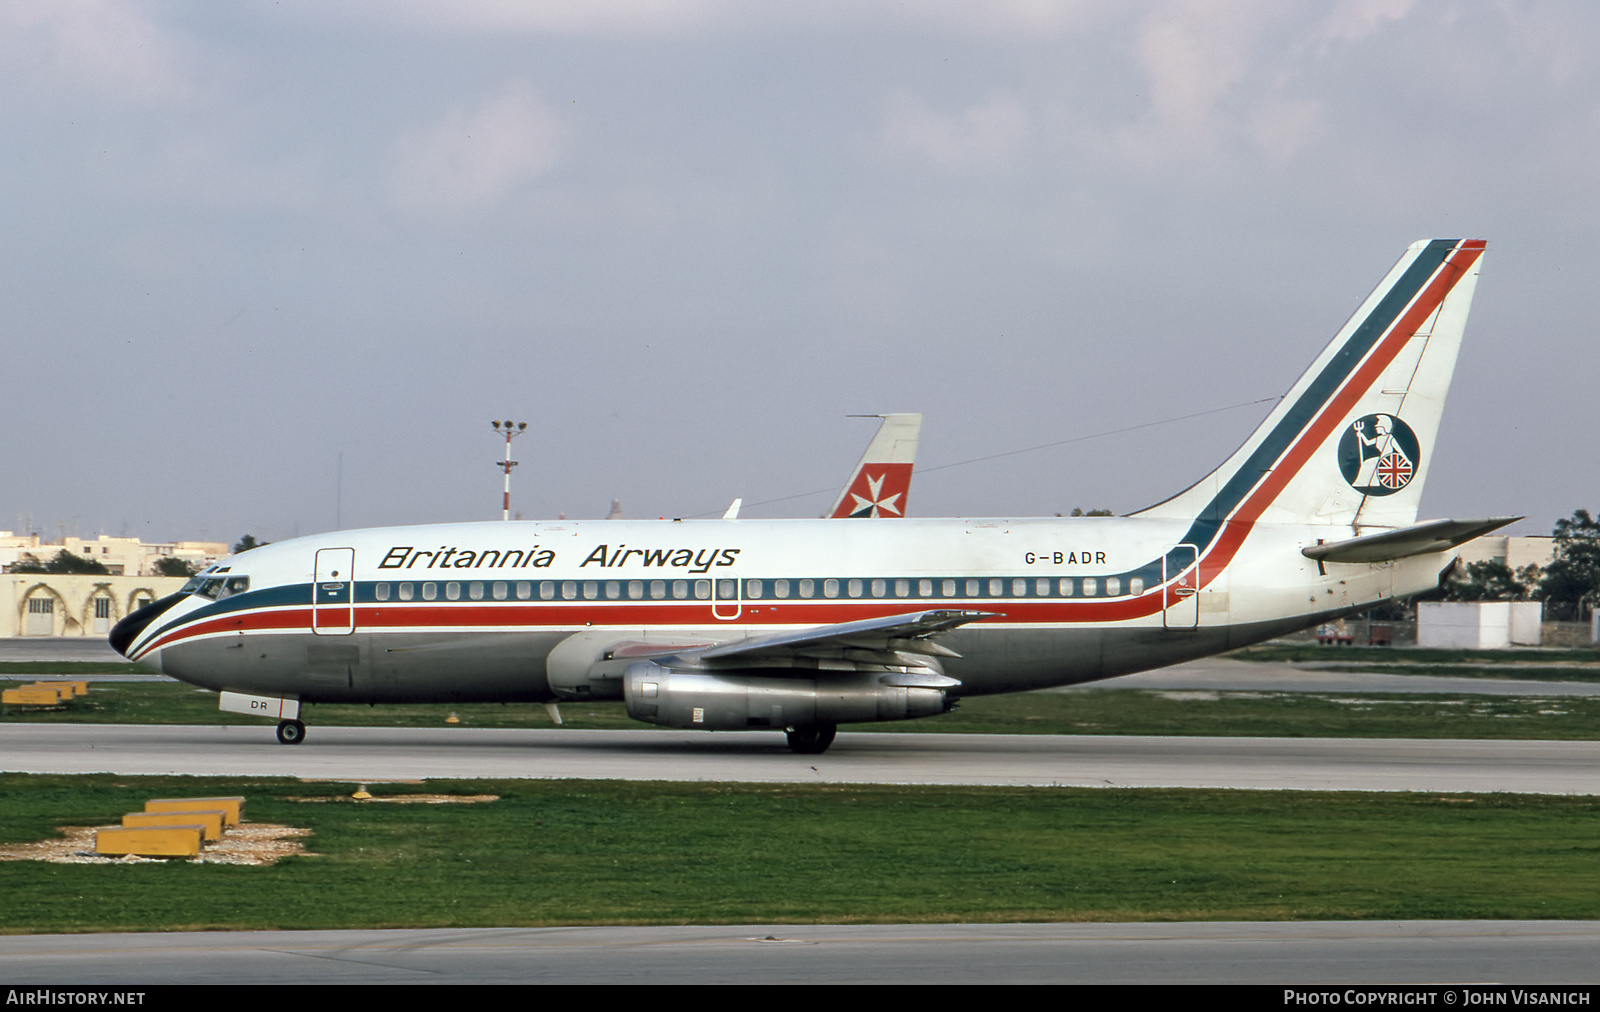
(1573, 576)
(1492, 580)
(65, 562)
(248, 542)
(1078, 511)
(171, 565)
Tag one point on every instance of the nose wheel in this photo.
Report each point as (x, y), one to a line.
(292, 732)
(811, 739)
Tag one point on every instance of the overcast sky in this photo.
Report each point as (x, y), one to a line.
(273, 266)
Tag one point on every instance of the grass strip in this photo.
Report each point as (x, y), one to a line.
(1304, 652)
(598, 852)
(12, 669)
(1088, 711)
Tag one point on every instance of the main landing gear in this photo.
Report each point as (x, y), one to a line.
(292, 732)
(810, 739)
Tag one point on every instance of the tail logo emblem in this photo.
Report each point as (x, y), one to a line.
(1378, 455)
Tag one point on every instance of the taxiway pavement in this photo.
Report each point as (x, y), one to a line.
(367, 754)
(1344, 953)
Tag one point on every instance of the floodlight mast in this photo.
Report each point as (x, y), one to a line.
(511, 430)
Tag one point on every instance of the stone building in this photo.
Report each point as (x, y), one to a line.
(48, 604)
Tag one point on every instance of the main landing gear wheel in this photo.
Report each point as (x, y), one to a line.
(292, 732)
(811, 739)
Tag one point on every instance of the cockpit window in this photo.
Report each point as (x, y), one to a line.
(216, 587)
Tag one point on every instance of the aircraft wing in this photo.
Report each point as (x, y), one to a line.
(909, 633)
(1418, 539)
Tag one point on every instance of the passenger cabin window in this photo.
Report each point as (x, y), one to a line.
(380, 592)
(406, 591)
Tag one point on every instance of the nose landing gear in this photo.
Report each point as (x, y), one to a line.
(291, 732)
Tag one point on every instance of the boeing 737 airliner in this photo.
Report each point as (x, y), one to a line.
(801, 625)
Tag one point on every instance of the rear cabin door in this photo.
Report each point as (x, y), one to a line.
(333, 597)
(1182, 577)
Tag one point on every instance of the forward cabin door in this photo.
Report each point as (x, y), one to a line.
(333, 593)
(1182, 577)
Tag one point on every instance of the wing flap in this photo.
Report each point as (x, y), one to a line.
(888, 633)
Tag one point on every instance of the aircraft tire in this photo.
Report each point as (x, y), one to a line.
(291, 732)
(811, 739)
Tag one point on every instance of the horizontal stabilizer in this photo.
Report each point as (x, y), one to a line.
(1419, 539)
(872, 633)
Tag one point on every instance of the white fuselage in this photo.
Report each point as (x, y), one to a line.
(472, 611)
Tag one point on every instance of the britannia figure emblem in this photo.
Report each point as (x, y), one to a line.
(1378, 455)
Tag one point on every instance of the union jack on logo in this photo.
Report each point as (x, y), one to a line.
(1394, 471)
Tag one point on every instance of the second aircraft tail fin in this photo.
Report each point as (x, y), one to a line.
(881, 482)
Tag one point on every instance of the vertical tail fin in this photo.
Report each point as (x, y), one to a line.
(1349, 444)
(881, 482)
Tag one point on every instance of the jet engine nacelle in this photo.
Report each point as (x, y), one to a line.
(589, 664)
(736, 701)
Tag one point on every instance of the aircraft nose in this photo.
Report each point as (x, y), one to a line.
(126, 631)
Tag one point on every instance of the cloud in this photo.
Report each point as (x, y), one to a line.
(474, 156)
(105, 46)
(988, 135)
(533, 17)
(1356, 19)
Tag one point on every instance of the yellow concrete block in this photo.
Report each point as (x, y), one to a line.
(163, 841)
(212, 821)
(29, 696)
(62, 690)
(233, 806)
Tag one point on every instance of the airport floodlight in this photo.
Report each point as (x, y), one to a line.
(510, 430)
